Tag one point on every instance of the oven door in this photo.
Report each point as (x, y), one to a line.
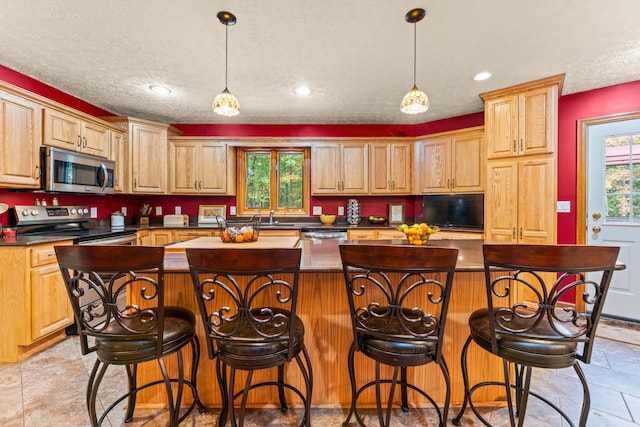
(66, 171)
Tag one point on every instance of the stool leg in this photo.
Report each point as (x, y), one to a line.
(195, 362)
(465, 380)
(132, 374)
(167, 384)
(92, 390)
(586, 401)
(307, 375)
(403, 384)
(507, 385)
(524, 396)
(245, 395)
(352, 378)
(283, 401)
(222, 383)
(447, 397)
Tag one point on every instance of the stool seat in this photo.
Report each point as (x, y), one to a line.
(179, 329)
(129, 335)
(398, 300)
(248, 299)
(529, 322)
(553, 352)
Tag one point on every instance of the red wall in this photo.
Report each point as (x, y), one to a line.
(611, 100)
(621, 98)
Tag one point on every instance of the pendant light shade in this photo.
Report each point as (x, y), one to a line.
(225, 103)
(415, 101)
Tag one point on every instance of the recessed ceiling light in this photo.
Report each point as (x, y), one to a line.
(483, 75)
(161, 90)
(302, 90)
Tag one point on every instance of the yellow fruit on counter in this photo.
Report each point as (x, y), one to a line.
(418, 234)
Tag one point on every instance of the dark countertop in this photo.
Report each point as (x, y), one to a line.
(31, 240)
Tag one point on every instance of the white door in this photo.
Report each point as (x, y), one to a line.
(613, 207)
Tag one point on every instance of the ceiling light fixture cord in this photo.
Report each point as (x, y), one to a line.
(414, 52)
(226, 56)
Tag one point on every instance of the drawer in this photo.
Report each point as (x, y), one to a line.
(45, 254)
(361, 234)
(391, 235)
(181, 235)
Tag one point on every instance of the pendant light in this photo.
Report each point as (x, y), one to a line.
(225, 103)
(415, 101)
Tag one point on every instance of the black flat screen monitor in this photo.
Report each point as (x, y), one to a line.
(454, 211)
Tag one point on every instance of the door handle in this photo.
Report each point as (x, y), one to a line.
(596, 215)
(596, 229)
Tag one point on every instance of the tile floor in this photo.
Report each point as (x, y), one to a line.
(48, 390)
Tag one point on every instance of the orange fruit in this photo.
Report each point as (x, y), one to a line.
(239, 238)
(248, 235)
(225, 236)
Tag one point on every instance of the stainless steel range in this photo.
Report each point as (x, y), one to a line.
(72, 221)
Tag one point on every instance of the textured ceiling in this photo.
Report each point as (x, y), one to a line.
(355, 55)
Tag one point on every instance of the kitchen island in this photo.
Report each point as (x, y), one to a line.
(322, 305)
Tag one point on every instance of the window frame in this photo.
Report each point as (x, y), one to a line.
(242, 180)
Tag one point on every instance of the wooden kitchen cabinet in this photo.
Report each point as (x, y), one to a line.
(145, 157)
(520, 204)
(201, 166)
(373, 234)
(522, 120)
(340, 168)
(143, 238)
(35, 308)
(75, 133)
(188, 234)
(450, 162)
(161, 237)
(390, 169)
(521, 136)
(20, 140)
(117, 152)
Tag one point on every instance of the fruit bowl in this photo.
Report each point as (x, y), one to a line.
(239, 231)
(377, 220)
(327, 219)
(418, 234)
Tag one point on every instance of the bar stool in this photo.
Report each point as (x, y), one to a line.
(526, 322)
(247, 299)
(398, 300)
(127, 334)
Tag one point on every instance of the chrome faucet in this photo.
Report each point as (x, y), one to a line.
(271, 214)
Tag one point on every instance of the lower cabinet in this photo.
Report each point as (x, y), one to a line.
(144, 237)
(456, 235)
(188, 234)
(372, 234)
(35, 308)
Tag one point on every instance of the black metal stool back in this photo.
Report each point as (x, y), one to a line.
(528, 321)
(126, 334)
(247, 299)
(398, 300)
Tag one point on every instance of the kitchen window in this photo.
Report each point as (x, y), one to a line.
(273, 179)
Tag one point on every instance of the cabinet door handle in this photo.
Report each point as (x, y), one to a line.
(79, 141)
(199, 185)
(453, 183)
(135, 182)
(393, 185)
(521, 145)
(38, 172)
(195, 185)
(84, 142)
(515, 145)
(520, 233)
(514, 233)
(448, 182)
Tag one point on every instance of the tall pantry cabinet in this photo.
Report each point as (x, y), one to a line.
(521, 133)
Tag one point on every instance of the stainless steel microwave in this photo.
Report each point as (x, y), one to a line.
(70, 172)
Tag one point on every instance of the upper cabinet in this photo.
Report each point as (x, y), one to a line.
(521, 137)
(117, 152)
(340, 168)
(522, 120)
(390, 169)
(20, 140)
(201, 166)
(145, 157)
(450, 162)
(73, 132)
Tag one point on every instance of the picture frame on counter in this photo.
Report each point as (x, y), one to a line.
(208, 214)
(396, 213)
